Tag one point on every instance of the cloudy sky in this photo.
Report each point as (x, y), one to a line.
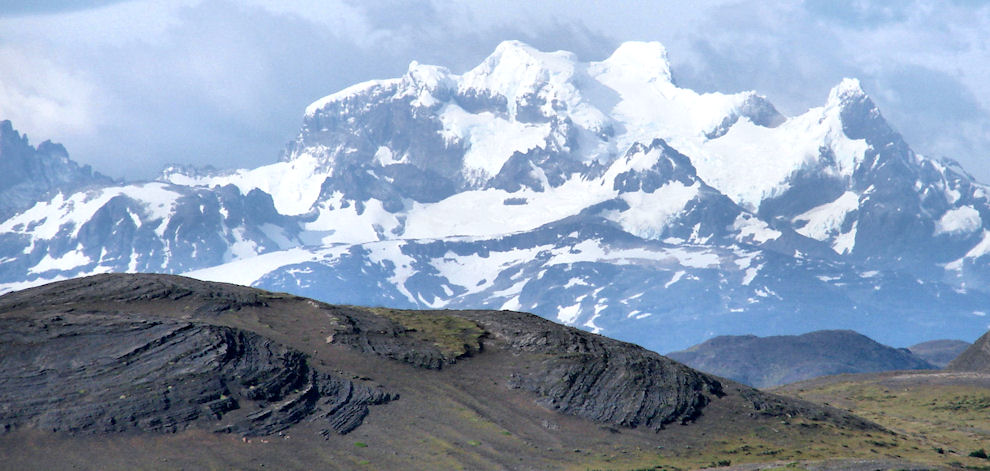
(128, 86)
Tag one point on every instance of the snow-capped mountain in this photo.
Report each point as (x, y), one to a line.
(599, 194)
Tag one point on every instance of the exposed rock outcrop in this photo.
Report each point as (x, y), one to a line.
(422, 339)
(598, 378)
(110, 373)
(575, 373)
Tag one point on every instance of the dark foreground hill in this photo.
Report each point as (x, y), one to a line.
(974, 358)
(771, 361)
(164, 372)
(939, 352)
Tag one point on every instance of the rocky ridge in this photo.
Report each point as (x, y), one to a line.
(30, 174)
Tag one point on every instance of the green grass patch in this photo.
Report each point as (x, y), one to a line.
(966, 403)
(452, 335)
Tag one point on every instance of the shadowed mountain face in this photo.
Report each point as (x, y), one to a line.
(160, 353)
(974, 358)
(771, 361)
(28, 174)
(939, 352)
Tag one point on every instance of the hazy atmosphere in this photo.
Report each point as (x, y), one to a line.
(129, 86)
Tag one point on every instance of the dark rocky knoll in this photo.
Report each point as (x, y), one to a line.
(974, 358)
(163, 353)
(772, 361)
(939, 352)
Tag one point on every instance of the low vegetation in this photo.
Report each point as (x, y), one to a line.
(454, 336)
(943, 419)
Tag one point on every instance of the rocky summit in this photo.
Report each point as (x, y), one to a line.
(600, 194)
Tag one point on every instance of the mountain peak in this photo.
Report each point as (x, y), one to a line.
(428, 77)
(848, 90)
(649, 59)
(345, 94)
(29, 173)
(516, 64)
(8, 133)
(860, 116)
(780, 359)
(514, 46)
(974, 358)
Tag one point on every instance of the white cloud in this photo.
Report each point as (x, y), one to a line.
(226, 81)
(44, 99)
